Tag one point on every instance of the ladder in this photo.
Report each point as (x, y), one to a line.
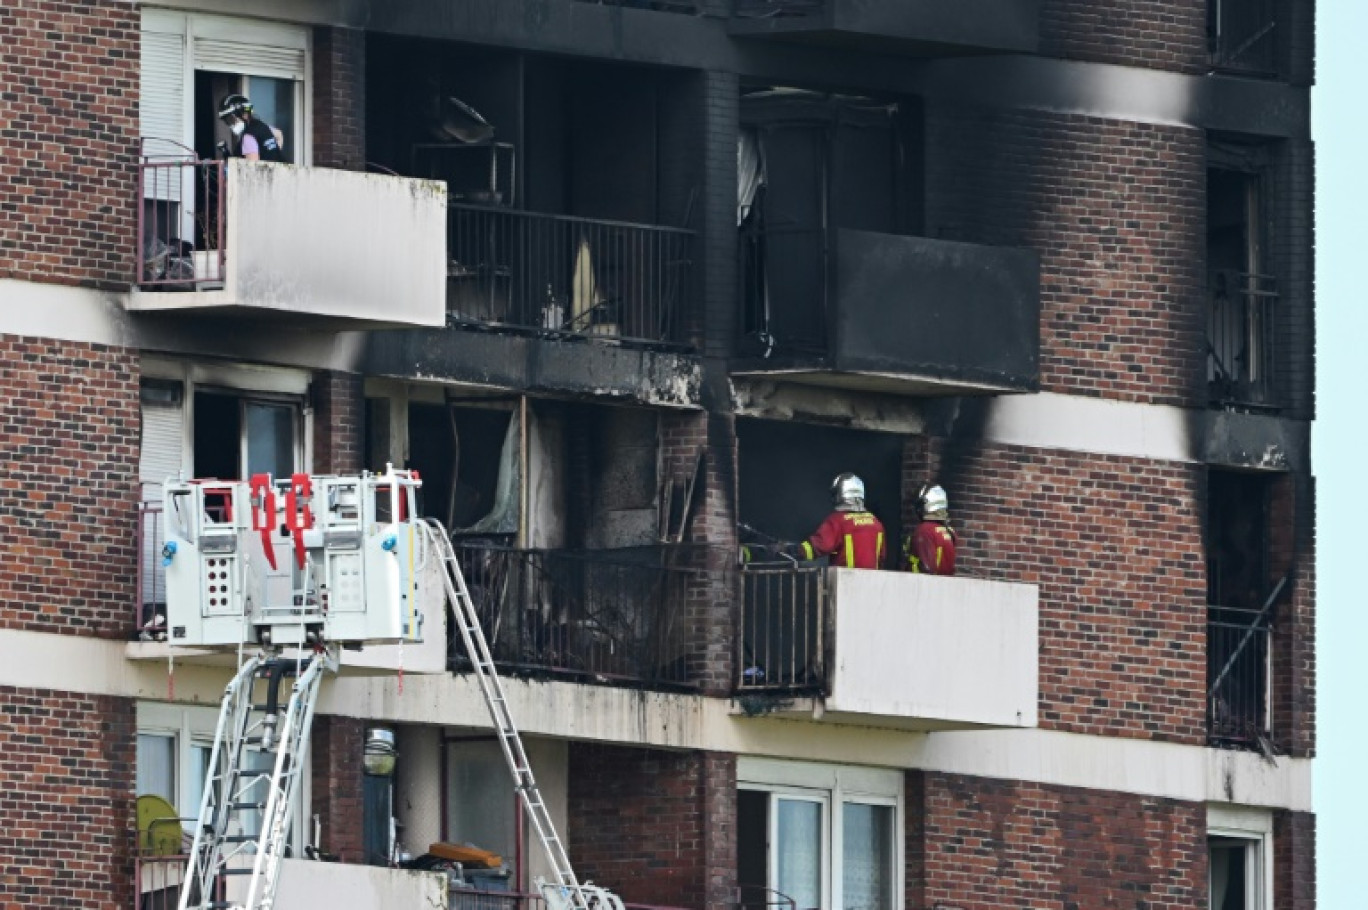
(255, 770)
(566, 892)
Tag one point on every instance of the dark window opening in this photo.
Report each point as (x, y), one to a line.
(786, 470)
(1229, 873)
(811, 162)
(236, 436)
(1242, 35)
(752, 847)
(1239, 614)
(461, 453)
(1242, 291)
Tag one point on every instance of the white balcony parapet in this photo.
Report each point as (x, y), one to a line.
(933, 652)
(318, 242)
(307, 885)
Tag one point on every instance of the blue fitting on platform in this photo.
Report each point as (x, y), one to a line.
(168, 551)
(389, 543)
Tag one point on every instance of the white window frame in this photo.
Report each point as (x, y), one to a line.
(834, 786)
(204, 28)
(269, 384)
(1255, 828)
(195, 725)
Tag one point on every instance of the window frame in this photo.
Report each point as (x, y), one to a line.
(1253, 827)
(834, 786)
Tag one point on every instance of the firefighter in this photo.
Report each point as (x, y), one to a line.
(931, 548)
(852, 537)
(254, 138)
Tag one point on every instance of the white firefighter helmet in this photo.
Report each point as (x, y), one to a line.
(848, 493)
(934, 504)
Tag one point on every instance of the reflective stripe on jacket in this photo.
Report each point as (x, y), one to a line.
(853, 540)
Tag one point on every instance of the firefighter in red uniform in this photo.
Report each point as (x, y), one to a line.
(931, 549)
(851, 536)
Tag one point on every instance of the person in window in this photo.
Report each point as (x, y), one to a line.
(852, 537)
(254, 139)
(931, 548)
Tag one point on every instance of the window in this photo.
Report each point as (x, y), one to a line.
(1239, 585)
(1240, 850)
(191, 61)
(219, 421)
(175, 743)
(1242, 291)
(1242, 35)
(822, 836)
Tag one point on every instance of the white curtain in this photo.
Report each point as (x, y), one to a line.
(750, 172)
(867, 857)
(799, 854)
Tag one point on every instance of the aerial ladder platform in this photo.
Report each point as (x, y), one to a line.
(286, 573)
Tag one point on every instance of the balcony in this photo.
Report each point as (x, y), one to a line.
(888, 649)
(307, 885)
(1238, 676)
(896, 26)
(606, 616)
(566, 276)
(1241, 350)
(885, 312)
(269, 240)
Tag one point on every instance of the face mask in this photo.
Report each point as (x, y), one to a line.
(238, 127)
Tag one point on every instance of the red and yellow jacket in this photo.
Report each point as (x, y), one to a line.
(931, 550)
(853, 540)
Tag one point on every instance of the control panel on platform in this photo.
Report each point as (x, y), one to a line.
(310, 560)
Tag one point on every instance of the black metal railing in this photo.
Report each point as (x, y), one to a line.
(760, 9)
(664, 6)
(785, 633)
(1237, 675)
(605, 615)
(181, 224)
(462, 898)
(1241, 353)
(558, 273)
(1242, 35)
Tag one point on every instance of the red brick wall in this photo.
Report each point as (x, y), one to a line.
(68, 141)
(339, 98)
(1170, 36)
(1294, 861)
(656, 827)
(66, 797)
(1115, 211)
(339, 411)
(985, 844)
(68, 498)
(1115, 545)
(335, 752)
(710, 619)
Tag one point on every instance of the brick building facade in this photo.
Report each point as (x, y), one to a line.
(685, 263)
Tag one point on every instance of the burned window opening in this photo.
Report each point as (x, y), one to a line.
(468, 459)
(1243, 35)
(811, 162)
(1243, 298)
(1241, 605)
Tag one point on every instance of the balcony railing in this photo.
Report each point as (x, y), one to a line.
(1240, 339)
(1242, 35)
(569, 275)
(784, 629)
(604, 615)
(181, 225)
(664, 6)
(1237, 675)
(769, 8)
(462, 898)
(149, 613)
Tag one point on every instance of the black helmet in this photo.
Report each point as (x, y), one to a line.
(234, 105)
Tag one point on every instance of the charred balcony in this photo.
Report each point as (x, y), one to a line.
(896, 26)
(573, 202)
(837, 289)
